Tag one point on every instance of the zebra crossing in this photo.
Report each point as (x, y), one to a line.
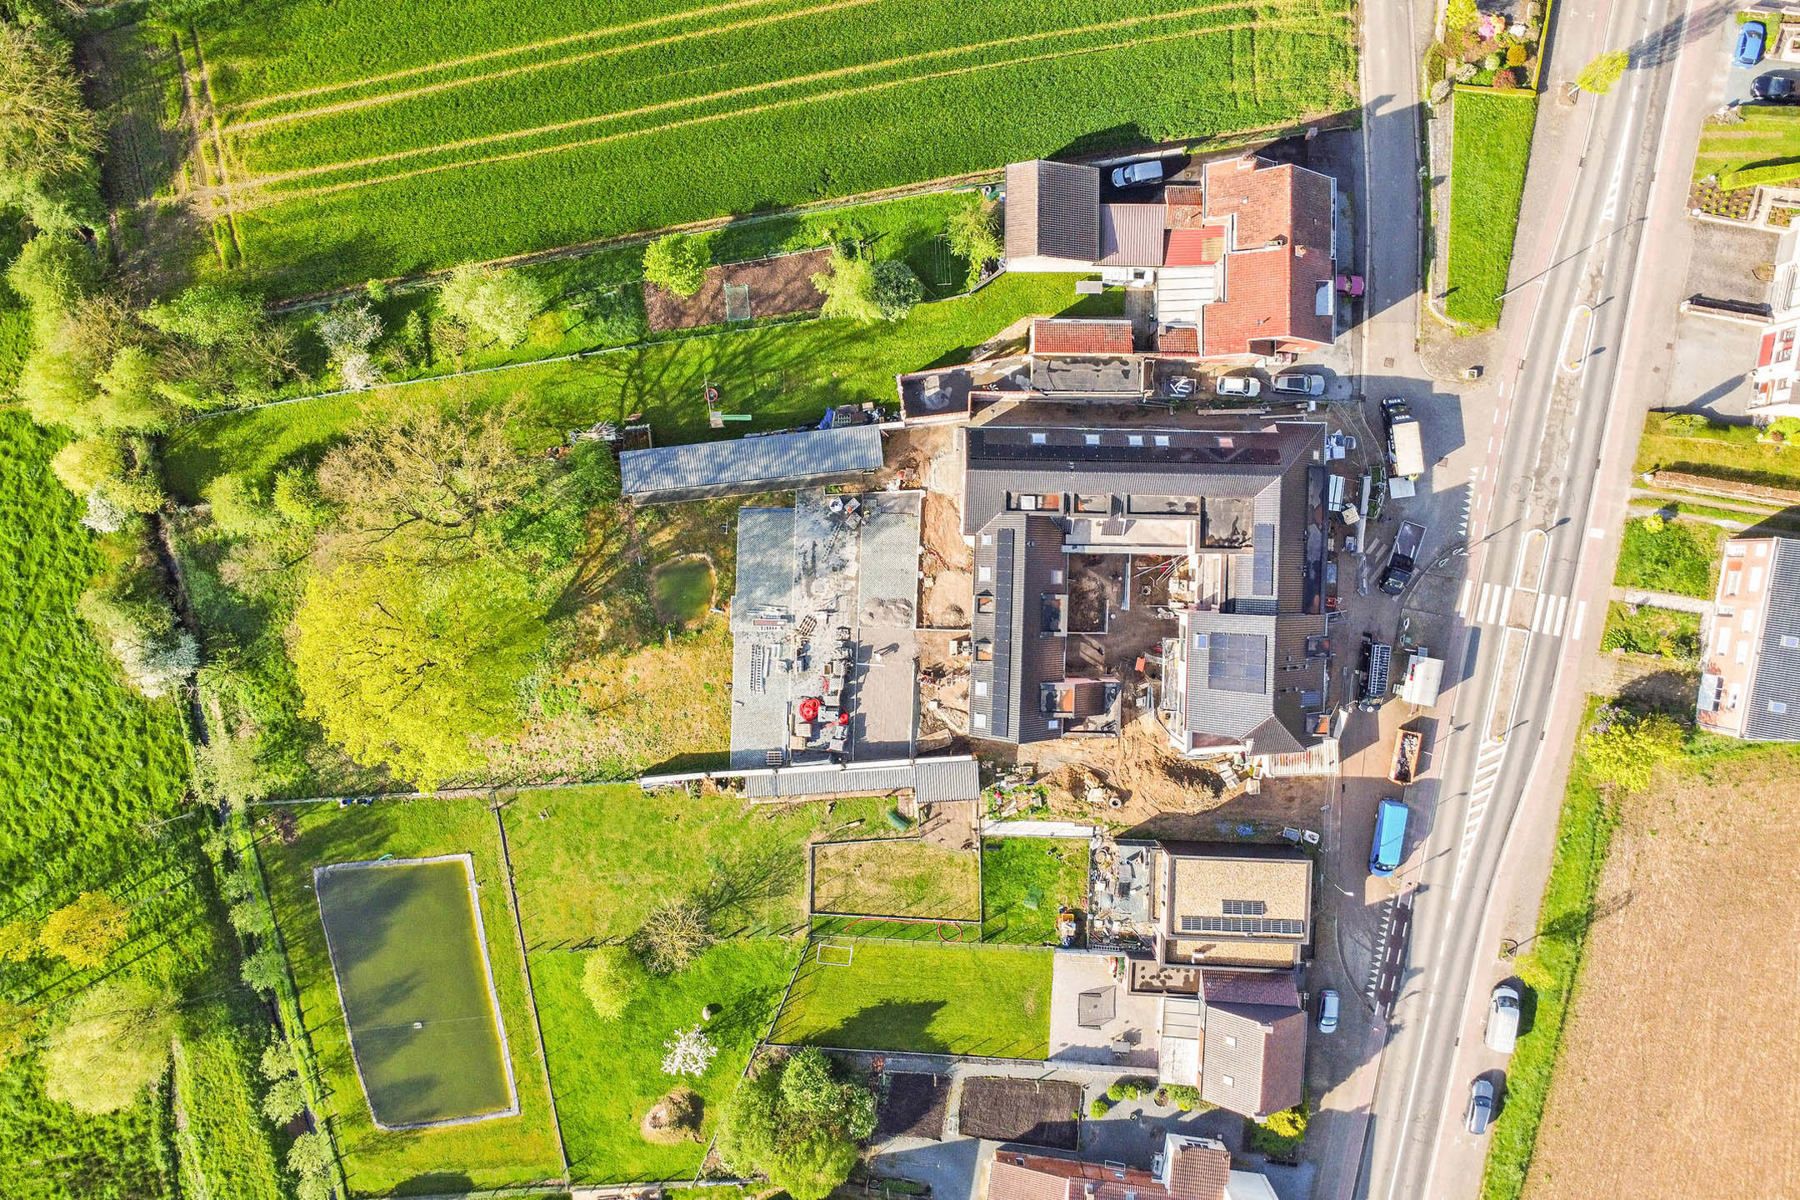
(1550, 615)
(1481, 790)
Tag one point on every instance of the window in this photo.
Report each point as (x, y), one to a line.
(984, 573)
(1228, 1081)
(1136, 439)
(1778, 707)
(1756, 579)
(981, 688)
(1743, 652)
(1231, 1041)
(980, 720)
(1056, 575)
(1162, 439)
(1733, 577)
(984, 651)
(1038, 439)
(1245, 908)
(1092, 439)
(1722, 639)
(1790, 642)
(1762, 549)
(987, 539)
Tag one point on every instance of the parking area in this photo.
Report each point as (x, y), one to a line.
(1738, 80)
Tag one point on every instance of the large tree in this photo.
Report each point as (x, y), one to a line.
(422, 482)
(113, 1044)
(407, 664)
(87, 930)
(798, 1122)
(48, 137)
(494, 306)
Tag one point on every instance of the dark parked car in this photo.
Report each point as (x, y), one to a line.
(1774, 89)
(1749, 50)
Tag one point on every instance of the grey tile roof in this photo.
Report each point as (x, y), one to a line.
(1254, 1060)
(1778, 667)
(1052, 210)
(1132, 235)
(779, 460)
(1018, 551)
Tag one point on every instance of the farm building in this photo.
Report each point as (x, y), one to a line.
(764, 463)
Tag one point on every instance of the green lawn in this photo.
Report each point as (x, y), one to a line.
(1695, 446)
(590, 863)
(1489, 153)
(938, 999)
(377, 137)
(784, 375)
(682, 591)
(1766, 135)
(1682, 557)
(225, 1148)
(1656, 631)
(607, 1074)
(505, 1150)
(415, 989)
(898, 877)
(1023, 883)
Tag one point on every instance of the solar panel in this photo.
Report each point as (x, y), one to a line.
(1245, 908)
(1261, 925)
(1262, 573)
(1003, 645)
(1237, 662)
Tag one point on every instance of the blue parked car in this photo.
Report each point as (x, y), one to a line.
(1749, 45)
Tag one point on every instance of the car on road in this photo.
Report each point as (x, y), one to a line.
(1143, 174)
(1749, 49)
(1481, 1107)
(1246, 386)
(1503, 1019)
(1300, 383)
(1328, 1011)
(1775, 89)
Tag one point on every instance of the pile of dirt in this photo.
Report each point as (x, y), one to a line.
(674, 1119)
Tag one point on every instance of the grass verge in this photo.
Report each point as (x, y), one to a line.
(1490, 150)
(1692, 445)
(1655, 631)
(1670, 556)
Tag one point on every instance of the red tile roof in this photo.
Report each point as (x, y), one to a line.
(1195, 247)
(1197, 1173)
(1283, 253)
(1178, 339)
(1080, 337)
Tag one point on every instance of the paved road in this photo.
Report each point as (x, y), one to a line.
(1548, 489)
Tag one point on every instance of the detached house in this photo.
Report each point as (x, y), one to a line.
(1241, 264)
(1750, 659)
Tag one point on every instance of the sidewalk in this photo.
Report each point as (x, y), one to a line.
(1667, 600)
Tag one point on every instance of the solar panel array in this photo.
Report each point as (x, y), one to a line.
(1003, 643)
(1237, 662)
(1266, 925)
(1245, 908)
(1262, 543)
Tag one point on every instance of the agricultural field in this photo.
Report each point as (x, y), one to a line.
(372, 138)
(1024, 881)
(1490, 149)
(899, 877)
(1624, 1115)
(935, 999)
(491, 1153)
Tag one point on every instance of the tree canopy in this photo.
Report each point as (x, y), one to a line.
(799, 1123)
(112, 1045)
(678, 262)
(1602, 74)
(87, 930)
(494, 305)
(48, 136)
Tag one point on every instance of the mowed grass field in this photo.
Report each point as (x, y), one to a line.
(937, 999)
(1490, 149)
(376, 137)
(1024, 881)
(407, 951)
(899, 877)
(487, 1154)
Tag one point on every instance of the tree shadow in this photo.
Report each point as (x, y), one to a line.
(890, 1023)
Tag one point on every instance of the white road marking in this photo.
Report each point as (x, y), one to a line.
(1462, 604)
(1505, 610)
(1537, 613)
(1580, 617)
(1562, 609)
(1488, 593)
(1595, 531)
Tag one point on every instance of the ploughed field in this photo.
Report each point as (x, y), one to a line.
(374, 137)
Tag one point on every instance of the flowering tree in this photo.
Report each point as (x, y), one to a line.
(690, 1052)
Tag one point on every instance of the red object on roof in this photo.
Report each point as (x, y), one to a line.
(1200, 247)
(809, 709)
(1080, 337)
(1767, 354)
(843, 718)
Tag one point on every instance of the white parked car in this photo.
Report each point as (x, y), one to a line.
(1138, 174)
(1328, 1011)
(1300, 383)
(1248, 387)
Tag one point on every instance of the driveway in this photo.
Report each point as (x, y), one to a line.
(1711, 373)
(1738, 79)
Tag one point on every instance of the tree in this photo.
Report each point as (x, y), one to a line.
(672, 936)
(315, 1188)
(278, 1060)
(689, 1052)
(310, 1156)
(88, 463)
(153, 652)
(1602, 74)
(263, 970)
(48, 136)
(848, 285)
(610, 979)
(406, 666)
(422, 482)
(51, 273)
(18, 940)
(802, 1136)
(251, 917)
(87, 930)
(1624, 748)
(113, 1044)
(491, 304)
(131, 397)
(348, 329)
(285, 1100)
(894, 289)
(209, 315)
(17, 1022)
(678, 262)
(975, 237)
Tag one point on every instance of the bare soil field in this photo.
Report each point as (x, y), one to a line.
(898, 877)
(778, 286)
(1682, 1042)
(1037, 1112)
(912, 1105)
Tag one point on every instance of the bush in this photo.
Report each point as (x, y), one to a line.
(1623, 748)
(285, 1100)
(609, 980)
(263, 969)
(673, 936)
(89, 463)
(1766, 173)
(1124, 1089)
(974, 235)
(1098, 1107)
(678, 262)
(895, 289)
(1515, 56)
(278, 1060)
(1184, 1097)
(494, 305)
(1281, 1136)
(310, 1156)
(1506, 80)
(1655, 631)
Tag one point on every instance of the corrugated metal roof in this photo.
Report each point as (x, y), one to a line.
(929, 779)
(1131, 235)
(750, 464)
(1777, 679)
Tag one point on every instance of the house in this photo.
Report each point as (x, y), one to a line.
(743, 466)
(1750, 652)
(1201, 552)
(1240, 264)
(1189, 1168)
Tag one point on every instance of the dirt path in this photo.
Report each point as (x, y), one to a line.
(343, 106)
(262, 182)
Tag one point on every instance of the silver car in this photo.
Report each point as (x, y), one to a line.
(1138, 174)
(1328, 1011)
(1246, 386)
(1300, 383)
(1481, 1107)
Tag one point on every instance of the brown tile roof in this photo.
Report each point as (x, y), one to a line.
(1178, 339)
(1254, 1060)
(1053, 210)
(1199, 1173)
(1187, 205)
(1283, 245)
(1275, 988)
(1050, 336)
(1131, 235)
